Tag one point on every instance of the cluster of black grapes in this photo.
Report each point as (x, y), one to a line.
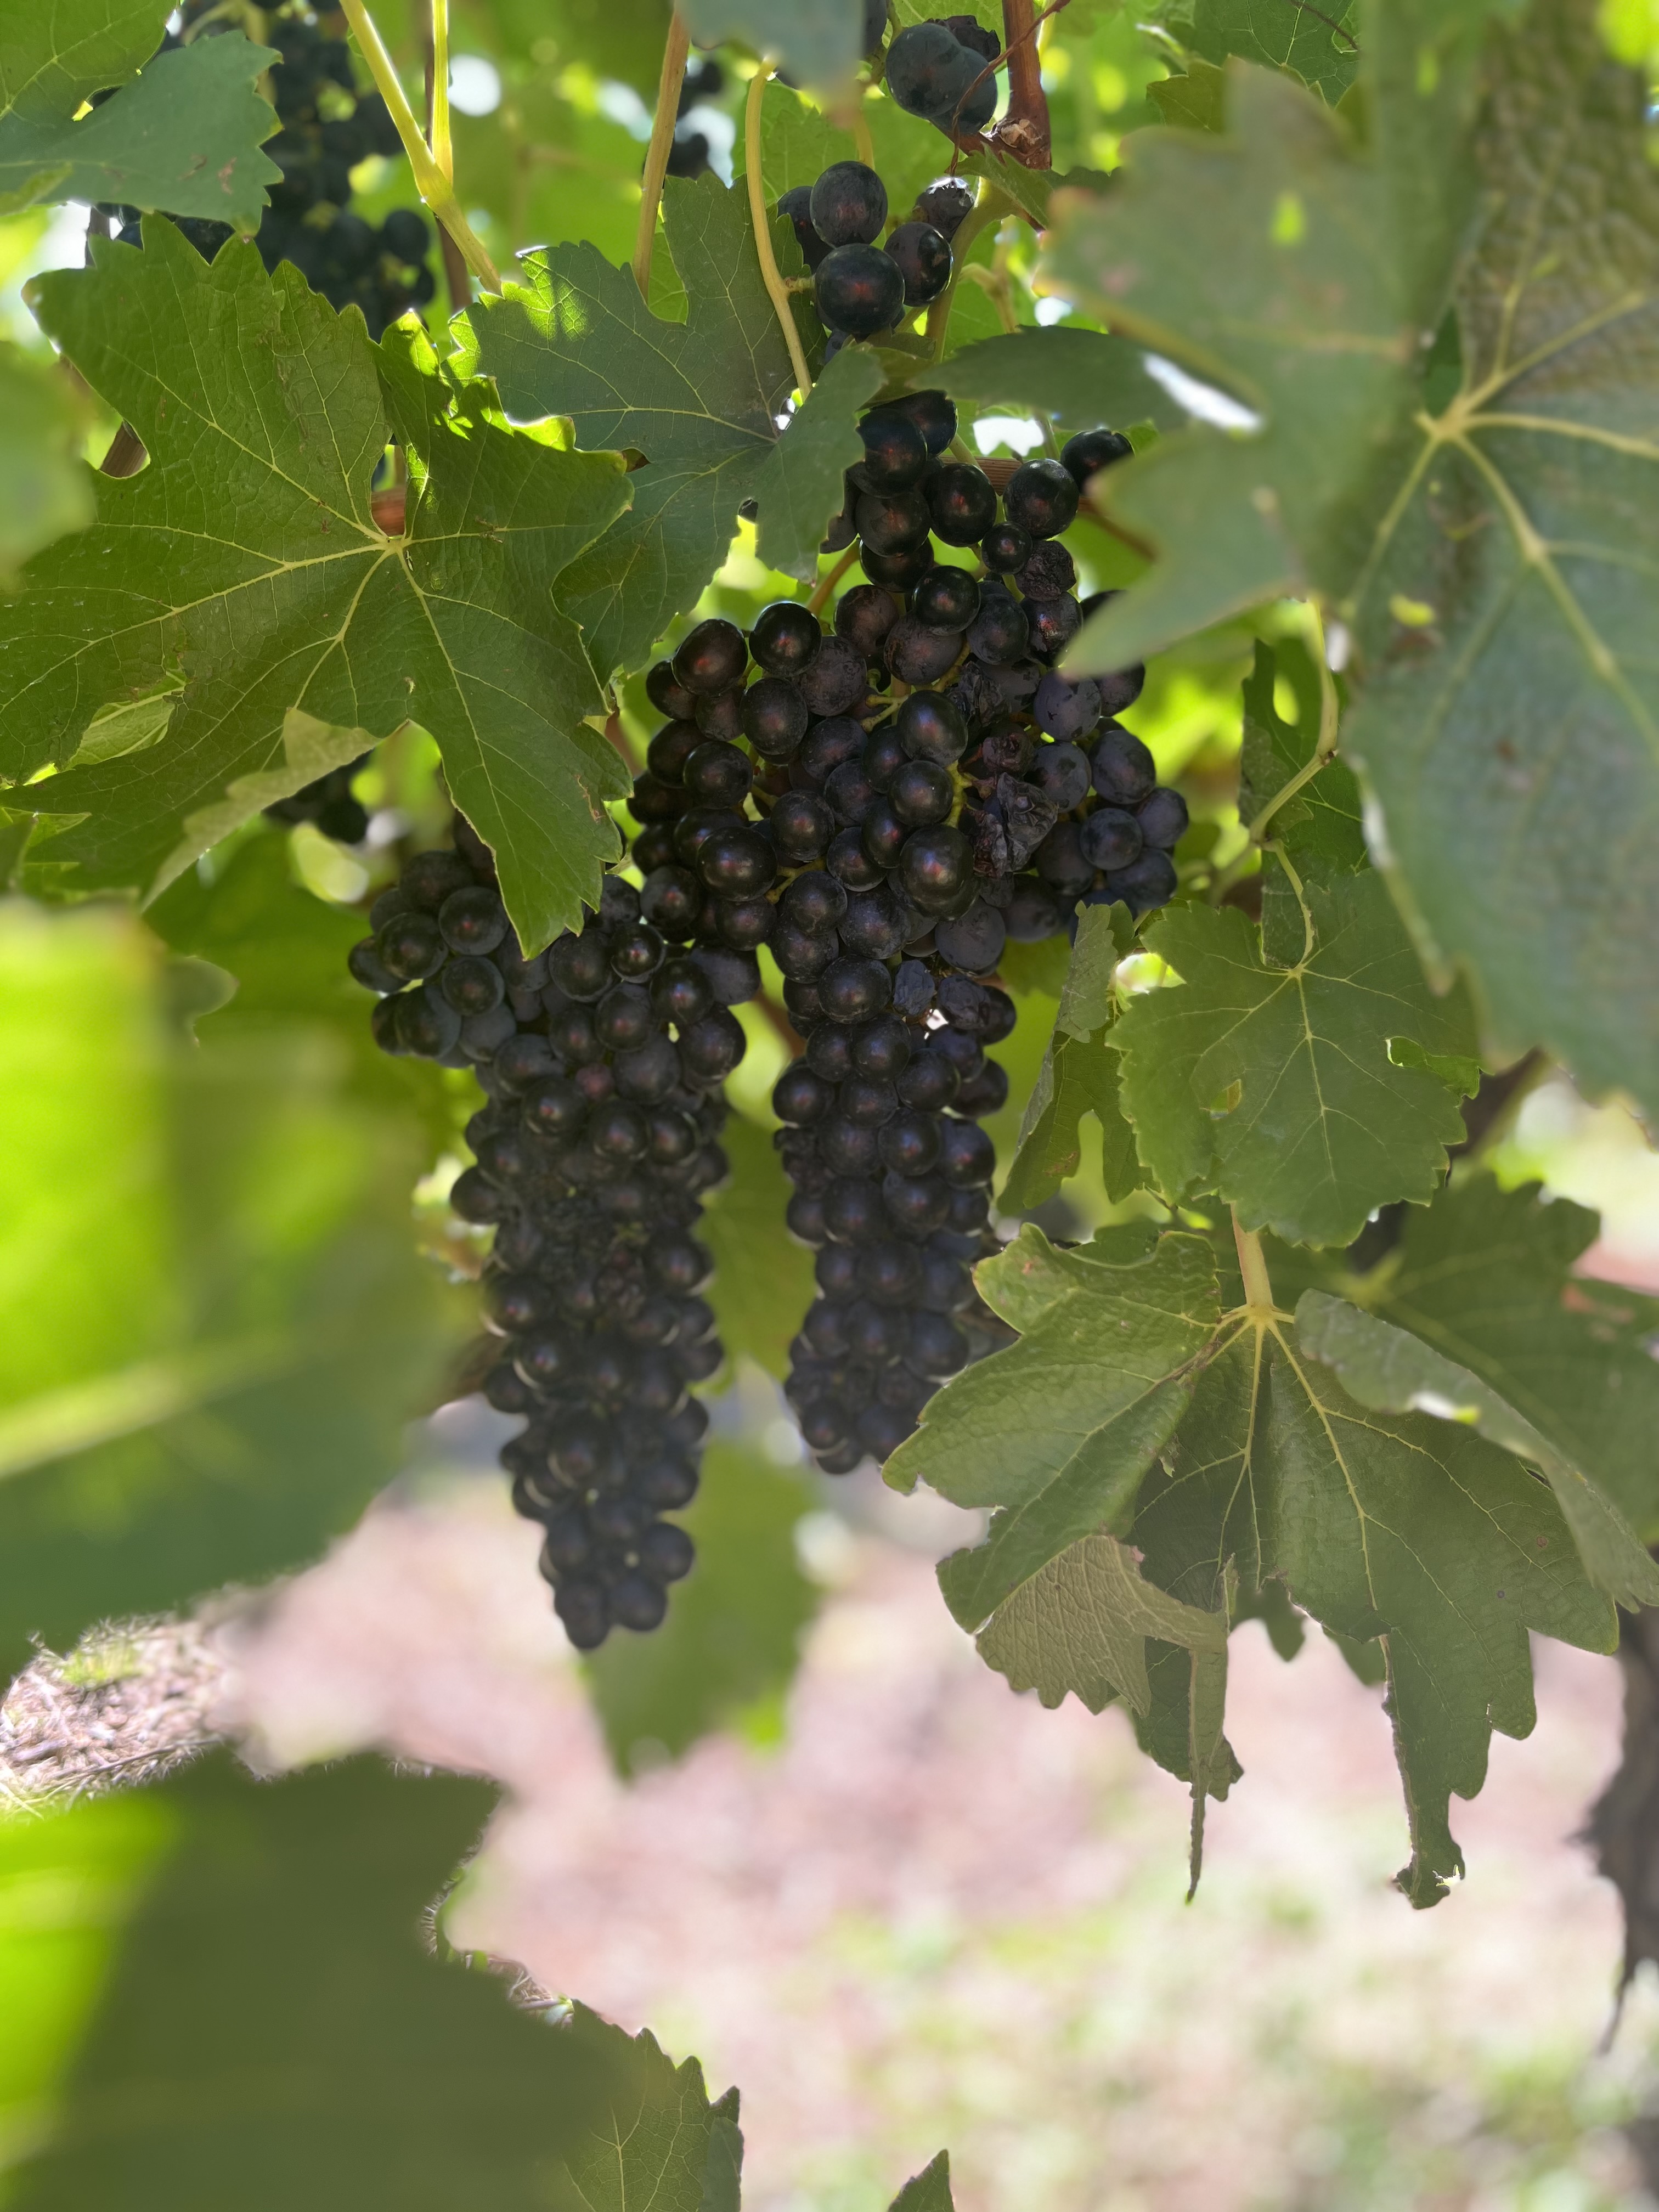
(329, 805)
(940, 70)
(602, 1061)
(860, 289)
(885, 849)
(327, 128)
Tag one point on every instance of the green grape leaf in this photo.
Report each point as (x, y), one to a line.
(797, 143)
(1388, 1369)
(246, 552)
(1508, 723)
(207, 1368)
(184, 137)
(816, 41)
(729, 1648)
(1320, 46)
(1196, 101)
(763, 1278)
(1078, 1076)
(1488, 1278)
(698, 399)
(1275, 1087)
(1082, 1624)
(1083, 379)
(1260, 1468)
(1318, 830)
(369, 2075)
(1046, 1432)
(43, 492)
(928, 2190)
(800, 487)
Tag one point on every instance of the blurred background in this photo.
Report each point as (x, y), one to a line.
(801, 1832)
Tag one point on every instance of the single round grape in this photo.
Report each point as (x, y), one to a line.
(836, 679)
(1059, 861)
(846, 1148)
(1034, 912)
(670, 750)
(897, 572)
(842, 1460)
(849, 859)
(1091, 451)
(895, 452)
(1146, 883)
(653, 847)
(933, 415)
(884, 754)
(1061, 772)
(800, 826)
(932, 728)
(973, 941)
(946, 599)
(853, 989)
(635, 1603)
(890, 521)
(671, 899)
(711, 657)
(984, 1092)
(848, 205)
(732, 977)
(617, 1132)
(1111, 838)
(651, 801)
(946, 203)
(937, 1347)
(670, 1137)
(928, 71)
(801, 1097)
(718, 774)
(1052, 624)
(867, 613)
(962, 503)
(883, 831)
(849, 791)
(1122, 687)
(922, 792)
(916, 1205)
(582, 1607)
(910, 1142)
(1162, 817)
(830, 1052)
(667, 694)
(410, 946)
(796, 204)
(1050, 572)
(1065, 707)
(428, 1024)
(934, 865)
(867, 1100)
(719, 714)
(824, 1423)
(736, 863)
(745, 923)
(472, 985)
(923, 255)
(786, 638)
(858, 290)
(429, 878)
(637, 951)
(1042, 497)
(472, 921)
(526, 1058)
(813, 903)
(917, 654)
(580, 966)
(680, 1265)
(999, 633)
(883, 1047)
(1124, 772)
(852, 1211)
(366, 968)
(712, 1048)
(623, 1016)
(665, 1554)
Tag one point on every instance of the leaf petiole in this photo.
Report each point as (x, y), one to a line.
(656, 153)
(774, 282)
(1253, 1266)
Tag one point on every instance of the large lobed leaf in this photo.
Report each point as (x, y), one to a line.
(184, 137)
(261, 2003)
(697, 399)
(1198, 1430)
(1319, 44)
(245, 553)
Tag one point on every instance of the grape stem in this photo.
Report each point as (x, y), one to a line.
(435, 187)
(1253, 1266)
(1330, 715)
(656, 153)
(1023, 131)
(455, 278)
(774, 282)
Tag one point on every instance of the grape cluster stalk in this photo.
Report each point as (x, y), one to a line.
(885, 807)
(328, 126)
(602, 1061)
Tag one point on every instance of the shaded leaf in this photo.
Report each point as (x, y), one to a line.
(1078, 1076)
(369, 2074)
(184, 137)
(763, 1278)
(1275, 1086)
(1319, 44)
(1195, 101)
(1395, 1372)
(731, 1641)
(1081, 378)
(698, 398)
(801, 485)
(1319, 829)
(816, 41)
(245, 550)
(1052, 1435)
(216, 1328)
(928, 2190)
(44, 491)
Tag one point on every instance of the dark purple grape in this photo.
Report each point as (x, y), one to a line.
(1063, 707)
(890, 521)
(946, 599)
(1005, 548)
(718, 774)
(1122, 687)
(962, 503)
(934, 865)
(836, 679)
(410, 946)
(1059, 861)
(1146, 883)
(933, 415)
(923, 255)
(853, 989)
(1034, 912)
(1111, 838)
(910, 1143)
(883, 831)
(849, 861)
(897, 572)
(1061, 773)
(848, 791)
(883, 1047)
(796, 204)
(1163, 818)
(667, 694)
(712, 1048)
(999, 633)
(801, 1097)
(786, 638)
(1124, 772)
(813, 903)
(719, 714)
(918, 654)
(472, 921)
(669, 898)
(946, 203)
(858, 290)
(430, 878)
(974, 940)
(1093, 450)
(922, 792)
(849, 206)
(1053, 623)
(1042, 497)
(884, 754)
(670, 750)
(930, 728)
(867, 613)
(800, 826)
(895, 452)
(736, 863)
(1049, 573)
(653, 801)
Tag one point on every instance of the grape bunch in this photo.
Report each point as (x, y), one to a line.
(940, 70)
(885, 849)
(328, 804)
(327, 128)
(861, 289)
(602, 1061)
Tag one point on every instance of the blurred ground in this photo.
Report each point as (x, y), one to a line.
(938, 1914)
